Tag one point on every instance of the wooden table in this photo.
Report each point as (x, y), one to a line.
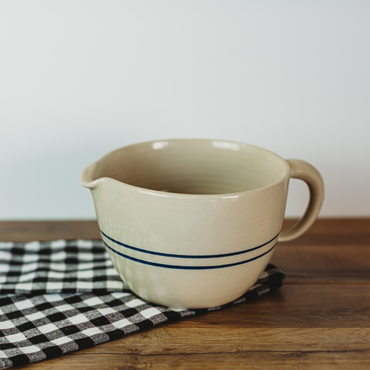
(319, 319)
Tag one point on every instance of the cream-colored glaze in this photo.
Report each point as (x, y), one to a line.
(180, 218)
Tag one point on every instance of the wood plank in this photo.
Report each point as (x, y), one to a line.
(354, 360)
(302, 326)
(343, 231)
(23, 231)
(323, 263)
(333, 250)
(352, 226)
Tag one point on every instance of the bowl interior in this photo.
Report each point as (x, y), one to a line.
(193, 166)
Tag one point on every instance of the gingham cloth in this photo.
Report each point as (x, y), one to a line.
(62, 296)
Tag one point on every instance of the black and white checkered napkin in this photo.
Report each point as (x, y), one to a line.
(62, 296)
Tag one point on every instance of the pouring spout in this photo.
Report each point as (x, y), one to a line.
(87, 178)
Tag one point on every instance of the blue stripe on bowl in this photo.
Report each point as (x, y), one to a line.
(186, 255)
(179, 267)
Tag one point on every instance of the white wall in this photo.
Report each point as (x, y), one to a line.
(79, 78)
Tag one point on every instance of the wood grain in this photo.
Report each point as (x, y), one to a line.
(268, 359)
(319, 319)
(23, 231)
(333, 250)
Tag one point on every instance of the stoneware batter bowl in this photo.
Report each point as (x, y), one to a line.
(192, 223)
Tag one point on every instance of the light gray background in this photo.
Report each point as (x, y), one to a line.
(80, 78)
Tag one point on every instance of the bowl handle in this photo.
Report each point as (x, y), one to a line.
(309, 174)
